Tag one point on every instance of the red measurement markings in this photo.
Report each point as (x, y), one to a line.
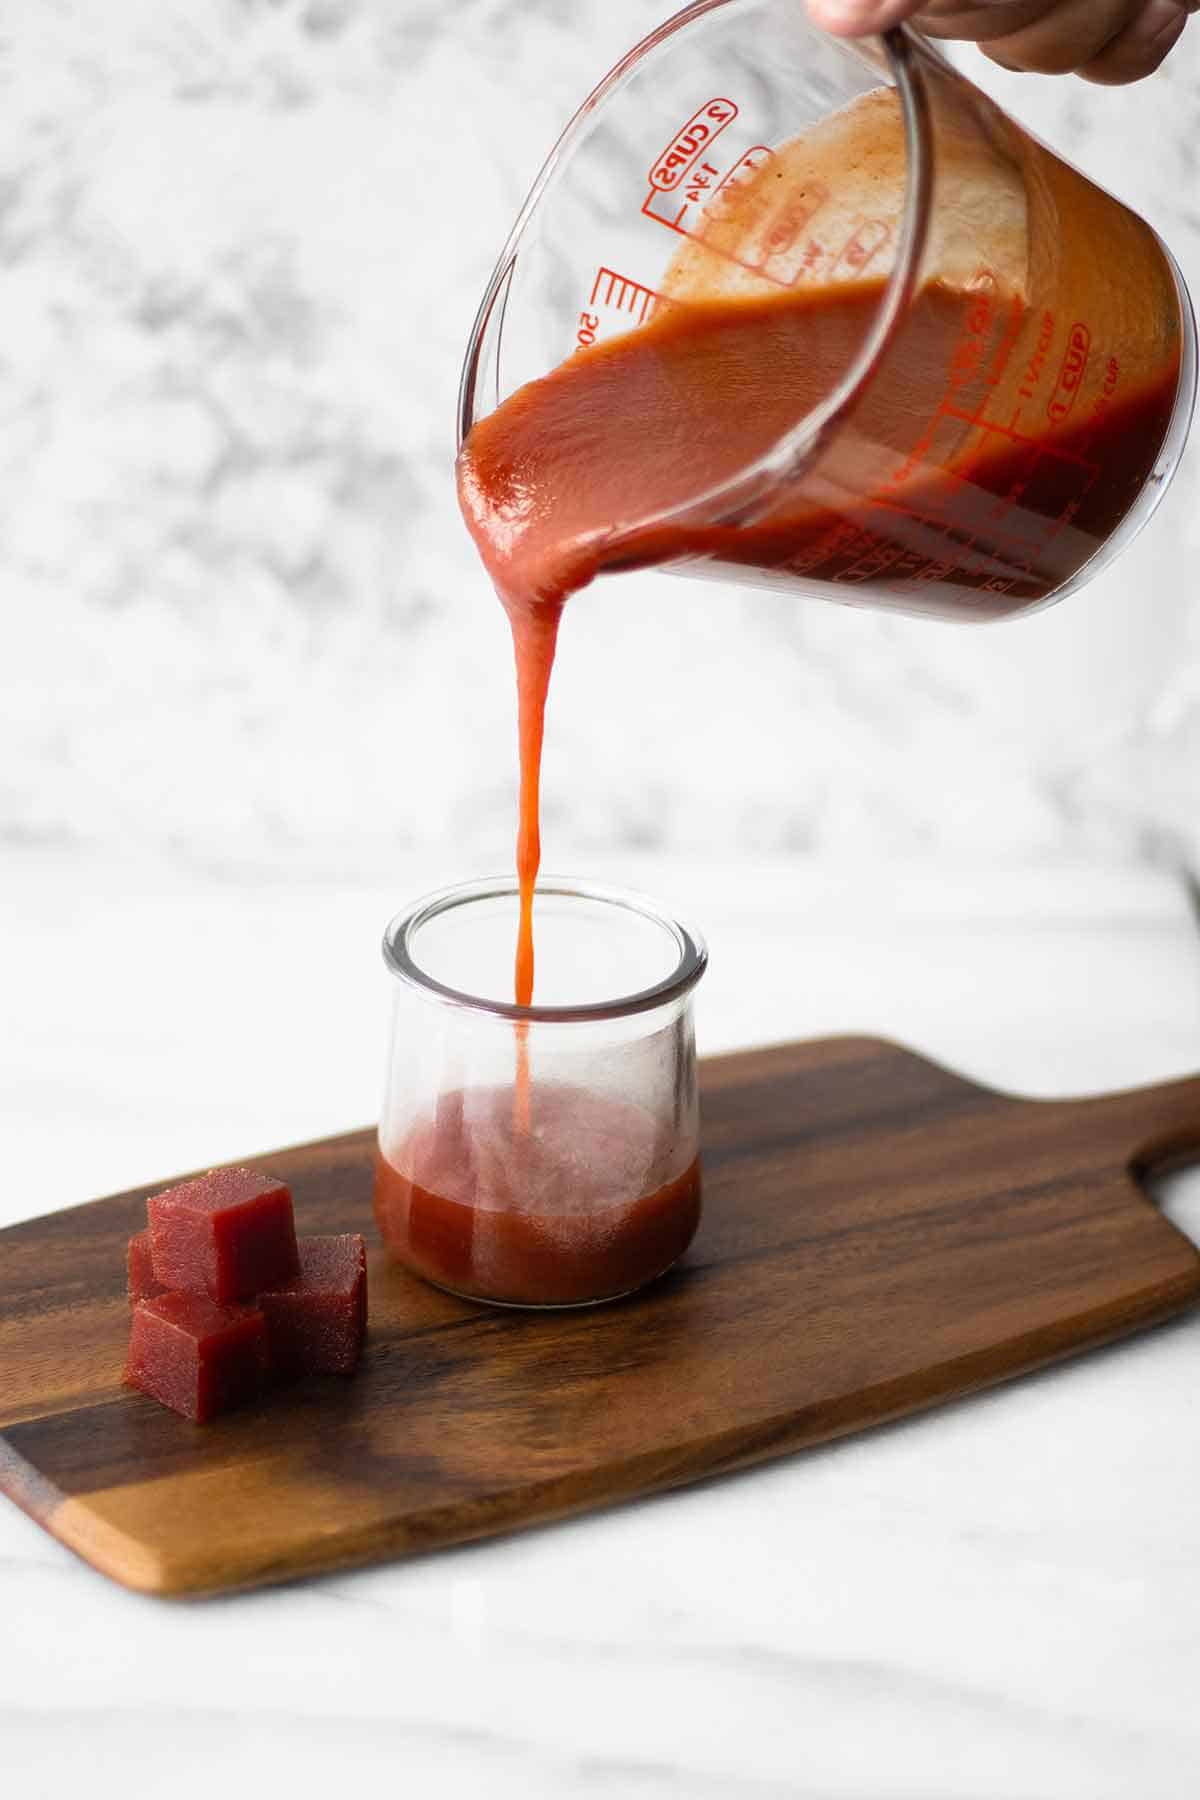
(1003, 543)
(874, 562)
(1070, 376)
(614, 292)
(818, 261)
(792, 219)
(972, 358)
(774, 256)
(1014, 541)
(1037, 362)
(687, 187)
(1108, 389)
(862, 247)
(701, 223)
(624, 294)
(970, 351)
(1008, 339)
(745, 169)
(668, 170)
(1035, 445)
(674, 215)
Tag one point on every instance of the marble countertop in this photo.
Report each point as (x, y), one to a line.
(999, 1600)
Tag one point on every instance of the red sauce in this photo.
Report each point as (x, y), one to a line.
(1011, 425)
(931, 514)
(582, 1206)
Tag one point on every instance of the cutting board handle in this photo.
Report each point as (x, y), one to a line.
(1150, 1129)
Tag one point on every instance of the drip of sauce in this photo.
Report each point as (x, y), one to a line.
(535, 634)
(574, 474)
(1014, 418)
(1009, 426)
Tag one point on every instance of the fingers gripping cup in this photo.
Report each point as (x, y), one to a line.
(817, 315)
(540, 1155)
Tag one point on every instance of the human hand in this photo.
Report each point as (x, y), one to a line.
(1110, 41)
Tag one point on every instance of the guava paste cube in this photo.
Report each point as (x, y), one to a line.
(194, 1356)
(227, 1234)
(317, 1321)
(139, 1267)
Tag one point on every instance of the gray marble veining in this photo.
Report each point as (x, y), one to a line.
(241, 246)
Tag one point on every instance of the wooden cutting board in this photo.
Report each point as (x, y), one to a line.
(878, 1235)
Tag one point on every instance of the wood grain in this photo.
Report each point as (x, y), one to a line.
(879, 1235)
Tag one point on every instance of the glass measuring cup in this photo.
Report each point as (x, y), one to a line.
(1003, 360)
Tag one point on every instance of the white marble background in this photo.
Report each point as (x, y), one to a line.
(241, 245)
(254, 692)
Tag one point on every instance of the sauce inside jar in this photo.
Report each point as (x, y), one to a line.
(583, 1203)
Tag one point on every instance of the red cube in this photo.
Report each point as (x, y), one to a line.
(317, 1321)
(139, 1268)
(227, 1234)
(194, 1356)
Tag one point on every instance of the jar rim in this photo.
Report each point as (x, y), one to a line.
(401, 960)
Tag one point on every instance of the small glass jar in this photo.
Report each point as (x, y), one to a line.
(545, 1155)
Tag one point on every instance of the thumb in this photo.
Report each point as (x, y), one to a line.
(853, 18)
